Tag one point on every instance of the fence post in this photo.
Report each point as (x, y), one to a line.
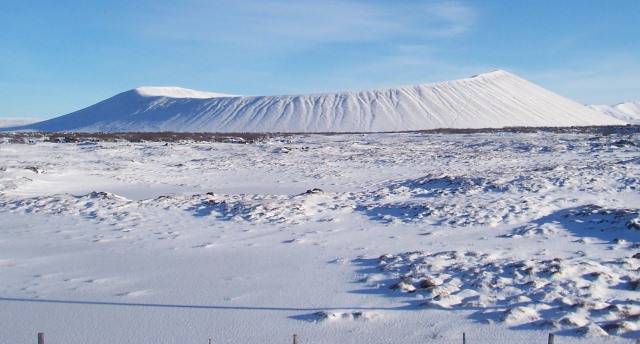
(41, 338)
(295, 339)
(552, 338)
(464, 338)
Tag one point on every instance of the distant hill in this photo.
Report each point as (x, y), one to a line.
(628, 112)
(17, 121)
(492, 100)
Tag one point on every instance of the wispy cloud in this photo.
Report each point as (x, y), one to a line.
(608, 78)
(300, 46)
(296, 24)
(449, 19)
(403, 65)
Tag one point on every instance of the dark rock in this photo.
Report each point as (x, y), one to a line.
(314, 191)
(33, 169)
(427, 283)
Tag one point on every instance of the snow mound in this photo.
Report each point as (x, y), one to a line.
(492, 100)
(616, 225)
(557, 293)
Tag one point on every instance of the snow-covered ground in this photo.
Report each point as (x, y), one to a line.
(408, 238)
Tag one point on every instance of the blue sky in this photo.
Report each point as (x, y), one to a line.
(60, 56)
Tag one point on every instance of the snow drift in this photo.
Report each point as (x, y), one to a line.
(493, 100)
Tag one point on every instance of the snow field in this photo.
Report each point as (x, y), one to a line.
(345, 238)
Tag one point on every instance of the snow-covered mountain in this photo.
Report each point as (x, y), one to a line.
(628, 112)
(492, 100)
(16, 121)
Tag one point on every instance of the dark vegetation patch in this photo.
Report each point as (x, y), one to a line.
(26, 137)
(74, 137)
